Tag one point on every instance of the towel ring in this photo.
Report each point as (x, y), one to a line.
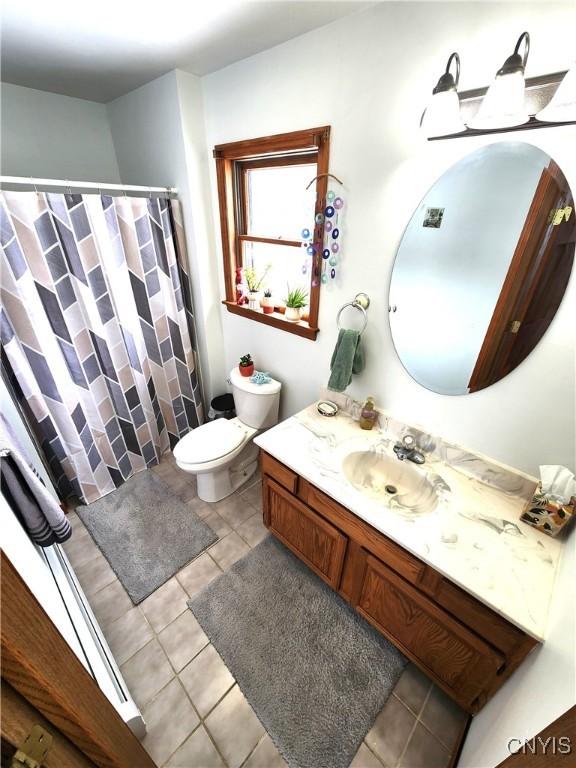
(361, 303)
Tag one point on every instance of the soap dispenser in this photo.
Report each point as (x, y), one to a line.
(368, 414)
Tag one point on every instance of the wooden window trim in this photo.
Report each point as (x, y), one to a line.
(242, 155)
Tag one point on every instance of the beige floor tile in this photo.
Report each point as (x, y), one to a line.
(186, 492)
(170, 719)
(147, 672)
(166, 470)
(228, 550)
(183, 639)
(165, 604)
(206, 679)
(201, 508)
(265, 756)
(256, 478)
(95, 574)
(218, 524)
(198, 751)
(110, 603)
(235, 509)
(234, 727)
(424, 751)
(74, 520)
(197, 574)
(443, 717)
(412, 688)
(80, 548)
(181, 483)
(253, 496)
(127, 634)
(253, 530)
(364, 758)
(391, 731)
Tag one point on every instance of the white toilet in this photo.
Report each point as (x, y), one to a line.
(221, 453)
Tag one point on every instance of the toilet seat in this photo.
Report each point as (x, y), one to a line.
(212, 441)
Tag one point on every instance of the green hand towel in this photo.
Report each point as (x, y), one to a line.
(347, 358)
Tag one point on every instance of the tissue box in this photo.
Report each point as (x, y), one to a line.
(547, 515)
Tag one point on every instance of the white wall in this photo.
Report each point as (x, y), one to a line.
(369, 77)
(52, 136)
(158, 132)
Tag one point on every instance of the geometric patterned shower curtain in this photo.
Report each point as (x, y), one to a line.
(97, 332)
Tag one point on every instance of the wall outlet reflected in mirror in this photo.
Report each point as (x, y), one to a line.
(433, 217)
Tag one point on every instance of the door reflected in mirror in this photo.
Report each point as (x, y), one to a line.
(482, 268)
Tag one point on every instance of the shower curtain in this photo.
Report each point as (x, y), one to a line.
(97, 332)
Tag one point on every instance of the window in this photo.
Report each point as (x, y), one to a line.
(264, 206)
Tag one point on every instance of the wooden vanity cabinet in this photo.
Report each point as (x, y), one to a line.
(314, 540)
(461, 644)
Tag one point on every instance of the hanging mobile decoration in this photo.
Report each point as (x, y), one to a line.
(324, 238)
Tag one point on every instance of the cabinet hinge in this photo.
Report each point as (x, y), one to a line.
(558, 215)
(33, 750)
(515, 326)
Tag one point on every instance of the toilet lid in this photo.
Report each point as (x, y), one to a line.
(209, 442)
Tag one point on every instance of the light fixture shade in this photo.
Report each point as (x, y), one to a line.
(442, 115)
(562, 106)
(504, 105)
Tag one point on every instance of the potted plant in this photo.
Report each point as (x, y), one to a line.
(254, 283)
(246, 365)
(267, 302)
(296, 300)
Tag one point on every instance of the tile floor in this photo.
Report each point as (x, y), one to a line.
(197, 717)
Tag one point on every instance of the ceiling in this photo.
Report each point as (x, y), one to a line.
(100, 50)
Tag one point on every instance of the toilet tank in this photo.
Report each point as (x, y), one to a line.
(256, 404)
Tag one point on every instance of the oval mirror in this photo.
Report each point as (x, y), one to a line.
(482, 268)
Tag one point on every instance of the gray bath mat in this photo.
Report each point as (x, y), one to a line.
(315, 672)
(146, 533)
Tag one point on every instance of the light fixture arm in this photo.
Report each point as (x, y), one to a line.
(516, 62)
(524, 38)
(449, 82)
(454, 57)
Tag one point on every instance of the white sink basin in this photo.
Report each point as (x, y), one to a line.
(398, 484)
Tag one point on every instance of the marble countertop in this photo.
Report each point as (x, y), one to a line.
(474, 536)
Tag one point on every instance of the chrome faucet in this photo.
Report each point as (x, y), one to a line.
(406, 450)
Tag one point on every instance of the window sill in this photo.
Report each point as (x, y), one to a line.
(276, 320)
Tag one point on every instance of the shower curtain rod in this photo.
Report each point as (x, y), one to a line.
(67, 184)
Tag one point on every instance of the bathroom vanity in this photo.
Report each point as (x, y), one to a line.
(442, 567)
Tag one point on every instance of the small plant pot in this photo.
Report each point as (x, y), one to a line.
(254, 300)
(267, 305)
(280, 308)
(246, 370)
(305, 314)
(292, 314)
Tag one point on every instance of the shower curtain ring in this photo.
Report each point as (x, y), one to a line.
(33, 184)
(69, 187)
(150, 193)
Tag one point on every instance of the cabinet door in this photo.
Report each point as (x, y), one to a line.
(456, 658)
(320, 545)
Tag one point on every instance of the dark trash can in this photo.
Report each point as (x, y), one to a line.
(222, 407)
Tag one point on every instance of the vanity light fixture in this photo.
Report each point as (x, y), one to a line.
(442, 115)
(504, 104)
(562, 107)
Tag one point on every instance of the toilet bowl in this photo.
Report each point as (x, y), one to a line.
(221, 453)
